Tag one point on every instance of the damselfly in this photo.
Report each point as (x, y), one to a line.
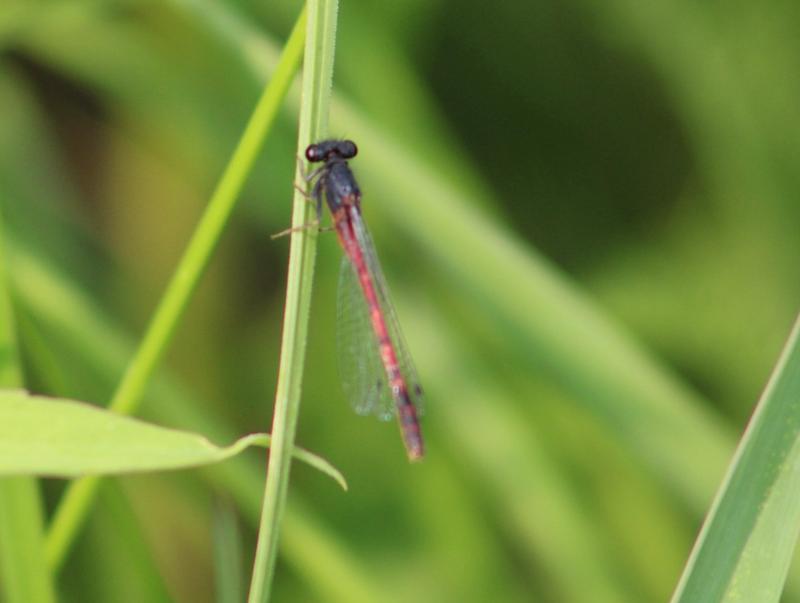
(376, 369)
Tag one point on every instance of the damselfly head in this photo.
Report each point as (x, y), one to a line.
(328, 149)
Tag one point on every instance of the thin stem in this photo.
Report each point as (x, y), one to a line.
(317, 78)
(71, 513)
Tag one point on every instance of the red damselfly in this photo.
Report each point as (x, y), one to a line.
(376, 369)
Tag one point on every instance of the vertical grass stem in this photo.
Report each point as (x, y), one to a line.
(317, 78)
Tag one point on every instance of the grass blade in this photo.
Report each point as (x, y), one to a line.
(24, 575)
(317, 78)
(228, 566)
(745, 546)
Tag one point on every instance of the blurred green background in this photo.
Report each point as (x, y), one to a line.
(589, 217)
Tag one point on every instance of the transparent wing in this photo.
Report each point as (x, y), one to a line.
(382, 404)
(360, 368)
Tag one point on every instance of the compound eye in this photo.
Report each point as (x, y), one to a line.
(313, 153)
(348, 149)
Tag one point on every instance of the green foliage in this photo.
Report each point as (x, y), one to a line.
(23, 572)
(65, 438)
(588, 216)
(228, 566)
(746, 544)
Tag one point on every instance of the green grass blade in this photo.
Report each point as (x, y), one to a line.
(745, 546)
(25, 578)
(73, 508)
(317, 81)
(328, 567)
(228, 566)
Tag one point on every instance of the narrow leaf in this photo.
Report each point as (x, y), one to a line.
(65, 438)
(228, 564)
(746, 544)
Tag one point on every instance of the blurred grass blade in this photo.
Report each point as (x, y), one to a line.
(127, 396)
(228, 566)
(23, 573)
(745, 546)
(25, 578)
(66, 438)
(313, 124)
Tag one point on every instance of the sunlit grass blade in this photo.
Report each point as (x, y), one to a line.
(745, 546)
